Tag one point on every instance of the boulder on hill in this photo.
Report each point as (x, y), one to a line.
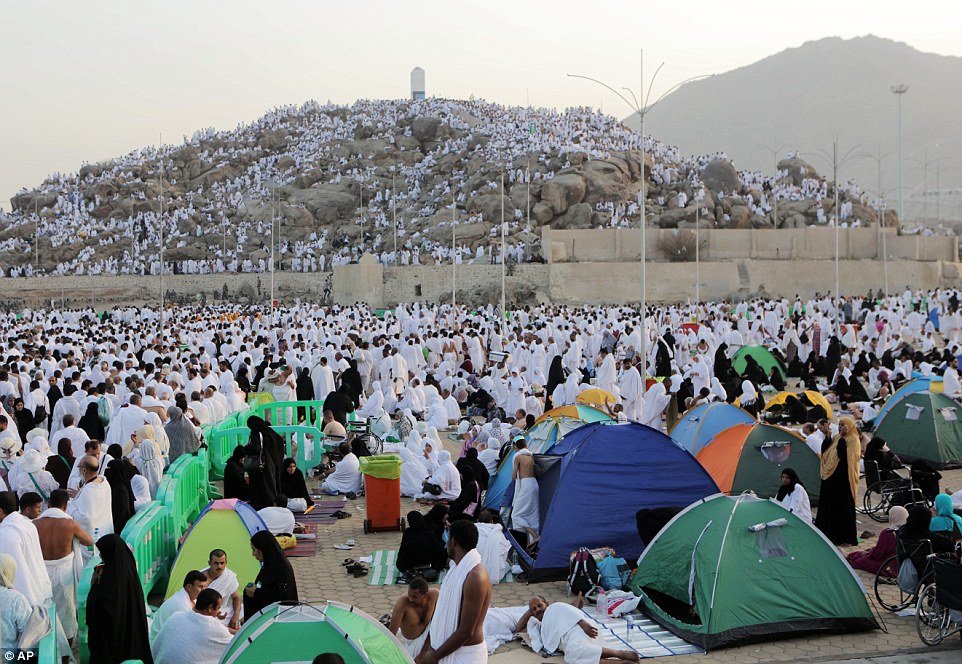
(489, 205)
(563, 191)
(798, 170)
(720, 176)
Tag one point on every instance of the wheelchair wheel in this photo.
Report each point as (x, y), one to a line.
(375, 444)
(876, 504)
(887, 590)
(931, 618)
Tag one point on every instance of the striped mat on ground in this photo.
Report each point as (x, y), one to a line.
(641, 634)
(323, 512)
(306, 548)
(384, 570)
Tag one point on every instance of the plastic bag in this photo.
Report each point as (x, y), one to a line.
(908, 576)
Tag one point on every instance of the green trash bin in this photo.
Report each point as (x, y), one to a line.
(382, 492)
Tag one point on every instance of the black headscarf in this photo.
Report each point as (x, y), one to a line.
(461, 507)
(419, 546)
(793, 480)
(24, 419)
(91, 424)
(265, 451)
(797, 413)
(243, 382)
(722, 363)
(305, 386)
(59, 465)
(339, 403)
(434, 520)
(53, 396)
(275, 582)
(351, 382)
(121, 493)
(116, 617)
(556, 376)
(235, 485)
(293, 484)
(470, 460)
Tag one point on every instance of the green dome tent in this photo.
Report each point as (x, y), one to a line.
(299, 632)
(924, 425)
(762, 355)
(736, 569)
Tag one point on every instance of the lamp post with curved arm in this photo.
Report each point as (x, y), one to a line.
(836, 163)
(641, 109)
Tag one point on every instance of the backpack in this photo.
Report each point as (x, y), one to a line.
(103, 412)
(40, 415)
(583, 576)
(614, 573)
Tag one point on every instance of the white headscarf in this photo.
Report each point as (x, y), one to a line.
(8, 570)
(655, 402)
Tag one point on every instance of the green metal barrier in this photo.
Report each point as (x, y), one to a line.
(83, 590)
(151, 538)
(47, 648)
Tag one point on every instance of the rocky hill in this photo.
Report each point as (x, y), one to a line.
(335, 177)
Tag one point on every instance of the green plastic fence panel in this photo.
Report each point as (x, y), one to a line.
(221, 447)
(47, 648)
(83, 589)
(310, 443)
(291, 413)
(150, 536)
(184, 490)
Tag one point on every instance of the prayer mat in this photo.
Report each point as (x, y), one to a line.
(641, 634)
(383, 569)
(304, 549)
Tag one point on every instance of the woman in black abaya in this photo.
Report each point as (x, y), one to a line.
(116, 618)
(91, 424)
(235, 482)
(556, 376)
(265, 452)
(293, 484)
(351, 383)
(121, 493)
(839, 472)
(275, 582)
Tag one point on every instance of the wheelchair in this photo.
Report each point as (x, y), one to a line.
(881, 495)
(362, 430)
(938, 611)
(889, 594)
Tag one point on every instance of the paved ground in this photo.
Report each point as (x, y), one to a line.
(322, 578)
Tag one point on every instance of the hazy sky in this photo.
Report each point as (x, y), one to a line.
(85, 81)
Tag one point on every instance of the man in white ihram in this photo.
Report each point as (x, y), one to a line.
(456, 635)
(524, 508)
(564, 627)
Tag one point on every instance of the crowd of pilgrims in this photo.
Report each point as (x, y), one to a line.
(227, 216)
(94, 408)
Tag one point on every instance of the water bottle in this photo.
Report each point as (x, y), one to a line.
(601, 605)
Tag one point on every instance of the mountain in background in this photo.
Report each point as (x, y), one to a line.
(803, 97)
